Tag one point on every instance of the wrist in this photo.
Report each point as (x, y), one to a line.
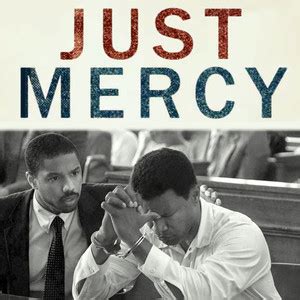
(103, 239)
(132, 238)
(99, 254)
(137, 243)
(110, 247)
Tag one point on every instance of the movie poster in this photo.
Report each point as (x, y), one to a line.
(152, 65)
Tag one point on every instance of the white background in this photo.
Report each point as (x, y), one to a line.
(33, 33)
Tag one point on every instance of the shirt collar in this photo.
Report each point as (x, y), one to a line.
(46, 217)
(204, 235)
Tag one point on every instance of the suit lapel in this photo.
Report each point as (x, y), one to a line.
(17, 240)
(88, 209)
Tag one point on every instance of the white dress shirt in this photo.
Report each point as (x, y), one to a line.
(228, 259)
(40, 238)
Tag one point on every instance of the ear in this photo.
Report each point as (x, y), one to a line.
(195, 194)
(31, 180)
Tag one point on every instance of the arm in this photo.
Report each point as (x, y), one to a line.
(99, 274)
(93, 281)
(236, 263)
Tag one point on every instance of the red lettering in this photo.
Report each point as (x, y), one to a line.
(108, 39)
(173, 33)
(223, 15)
(78, 37)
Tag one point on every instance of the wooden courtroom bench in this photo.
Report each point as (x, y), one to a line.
(287, 165)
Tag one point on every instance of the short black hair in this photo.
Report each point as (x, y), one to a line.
(46, 146)
(161, 170)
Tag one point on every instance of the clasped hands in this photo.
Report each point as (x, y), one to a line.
(124, 215)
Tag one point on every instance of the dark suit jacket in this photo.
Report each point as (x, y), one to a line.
(14, 233)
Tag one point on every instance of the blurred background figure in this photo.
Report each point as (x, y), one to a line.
(124, 146)
(98, 160)
(106, 150)
(12, 145)
(238, 154)
(156, 139)
(198, 141)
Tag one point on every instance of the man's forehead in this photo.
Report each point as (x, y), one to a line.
(164, 202)
(59, 163)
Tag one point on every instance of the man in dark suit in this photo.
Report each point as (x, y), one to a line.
(29, 239)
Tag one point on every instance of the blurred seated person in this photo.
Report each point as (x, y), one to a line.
(157, 139)
(198, 141)
(124, 146)
(12, 164)
(187, 247)
(99, 147)
(99, 142)
(238, 154)
(277, 141)
(11, 149)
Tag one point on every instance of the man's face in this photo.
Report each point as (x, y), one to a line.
(179, 217)
(58, 182)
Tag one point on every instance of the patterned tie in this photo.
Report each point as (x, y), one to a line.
(55, 270)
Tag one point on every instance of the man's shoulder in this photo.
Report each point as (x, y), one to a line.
(230, 224)
(10, 202)
(225, 220)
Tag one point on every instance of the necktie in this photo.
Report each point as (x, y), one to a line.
(55, 270)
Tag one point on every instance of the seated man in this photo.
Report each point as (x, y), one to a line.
(238, 154)
(45, 230)
(194, 250)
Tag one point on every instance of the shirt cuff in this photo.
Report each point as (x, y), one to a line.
(86, 268)
(89, 265)
(156, 263)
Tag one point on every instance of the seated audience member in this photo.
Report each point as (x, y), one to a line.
(157, 139)
(45, 230)
(124, 146)
(13, 165)
(193, 250)
(12, 144)
(198, 141)
(99, 142)
(99, 146)
(238, 154)
(277, 140)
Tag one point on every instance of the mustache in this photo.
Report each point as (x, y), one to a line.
(66, 195)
